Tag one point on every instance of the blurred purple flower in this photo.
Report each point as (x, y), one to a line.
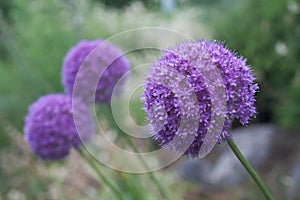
(96, 66)
(50, 129)
(195, 61)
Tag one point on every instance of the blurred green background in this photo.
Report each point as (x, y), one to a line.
(35, 36)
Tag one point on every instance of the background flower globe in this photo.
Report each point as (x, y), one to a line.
(50, 130)
(195, 61)
(93, 61)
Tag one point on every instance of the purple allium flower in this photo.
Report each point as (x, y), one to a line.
(50, 129)
(196, 62)
(96, 66)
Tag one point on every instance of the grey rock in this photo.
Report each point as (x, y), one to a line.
(168, 6)
(293, 191)
(195, 170)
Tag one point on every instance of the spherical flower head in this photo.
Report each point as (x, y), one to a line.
(93, 68)
(50, 128)
(197, 62)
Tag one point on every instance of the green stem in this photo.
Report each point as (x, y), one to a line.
(161, 189)
(250, 169)
(100, 174)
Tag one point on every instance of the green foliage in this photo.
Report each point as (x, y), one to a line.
(5, 9)
(267, 33)
(200, 2)
(122, 3)
(4, 142)
(36, 46)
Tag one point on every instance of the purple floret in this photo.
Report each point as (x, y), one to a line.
(96, 66)
(192, 60)
(50, 129)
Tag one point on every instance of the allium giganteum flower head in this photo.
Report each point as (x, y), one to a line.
(96, 66)
(195, 63)
(50, 128)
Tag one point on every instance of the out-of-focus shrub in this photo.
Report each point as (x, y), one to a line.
(5, 9)
(268, 34)
(123, 3)
(199, 2)
(39, 34)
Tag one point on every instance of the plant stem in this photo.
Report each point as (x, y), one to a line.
(100, 174)
(250, 169)
(161, 189)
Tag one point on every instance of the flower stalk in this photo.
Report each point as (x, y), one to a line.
(250, 169)
(99, 173)
(161, 189)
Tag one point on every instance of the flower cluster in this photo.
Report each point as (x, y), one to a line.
(57, 122)
(197, 63)
(50, 128)
(93, 68)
